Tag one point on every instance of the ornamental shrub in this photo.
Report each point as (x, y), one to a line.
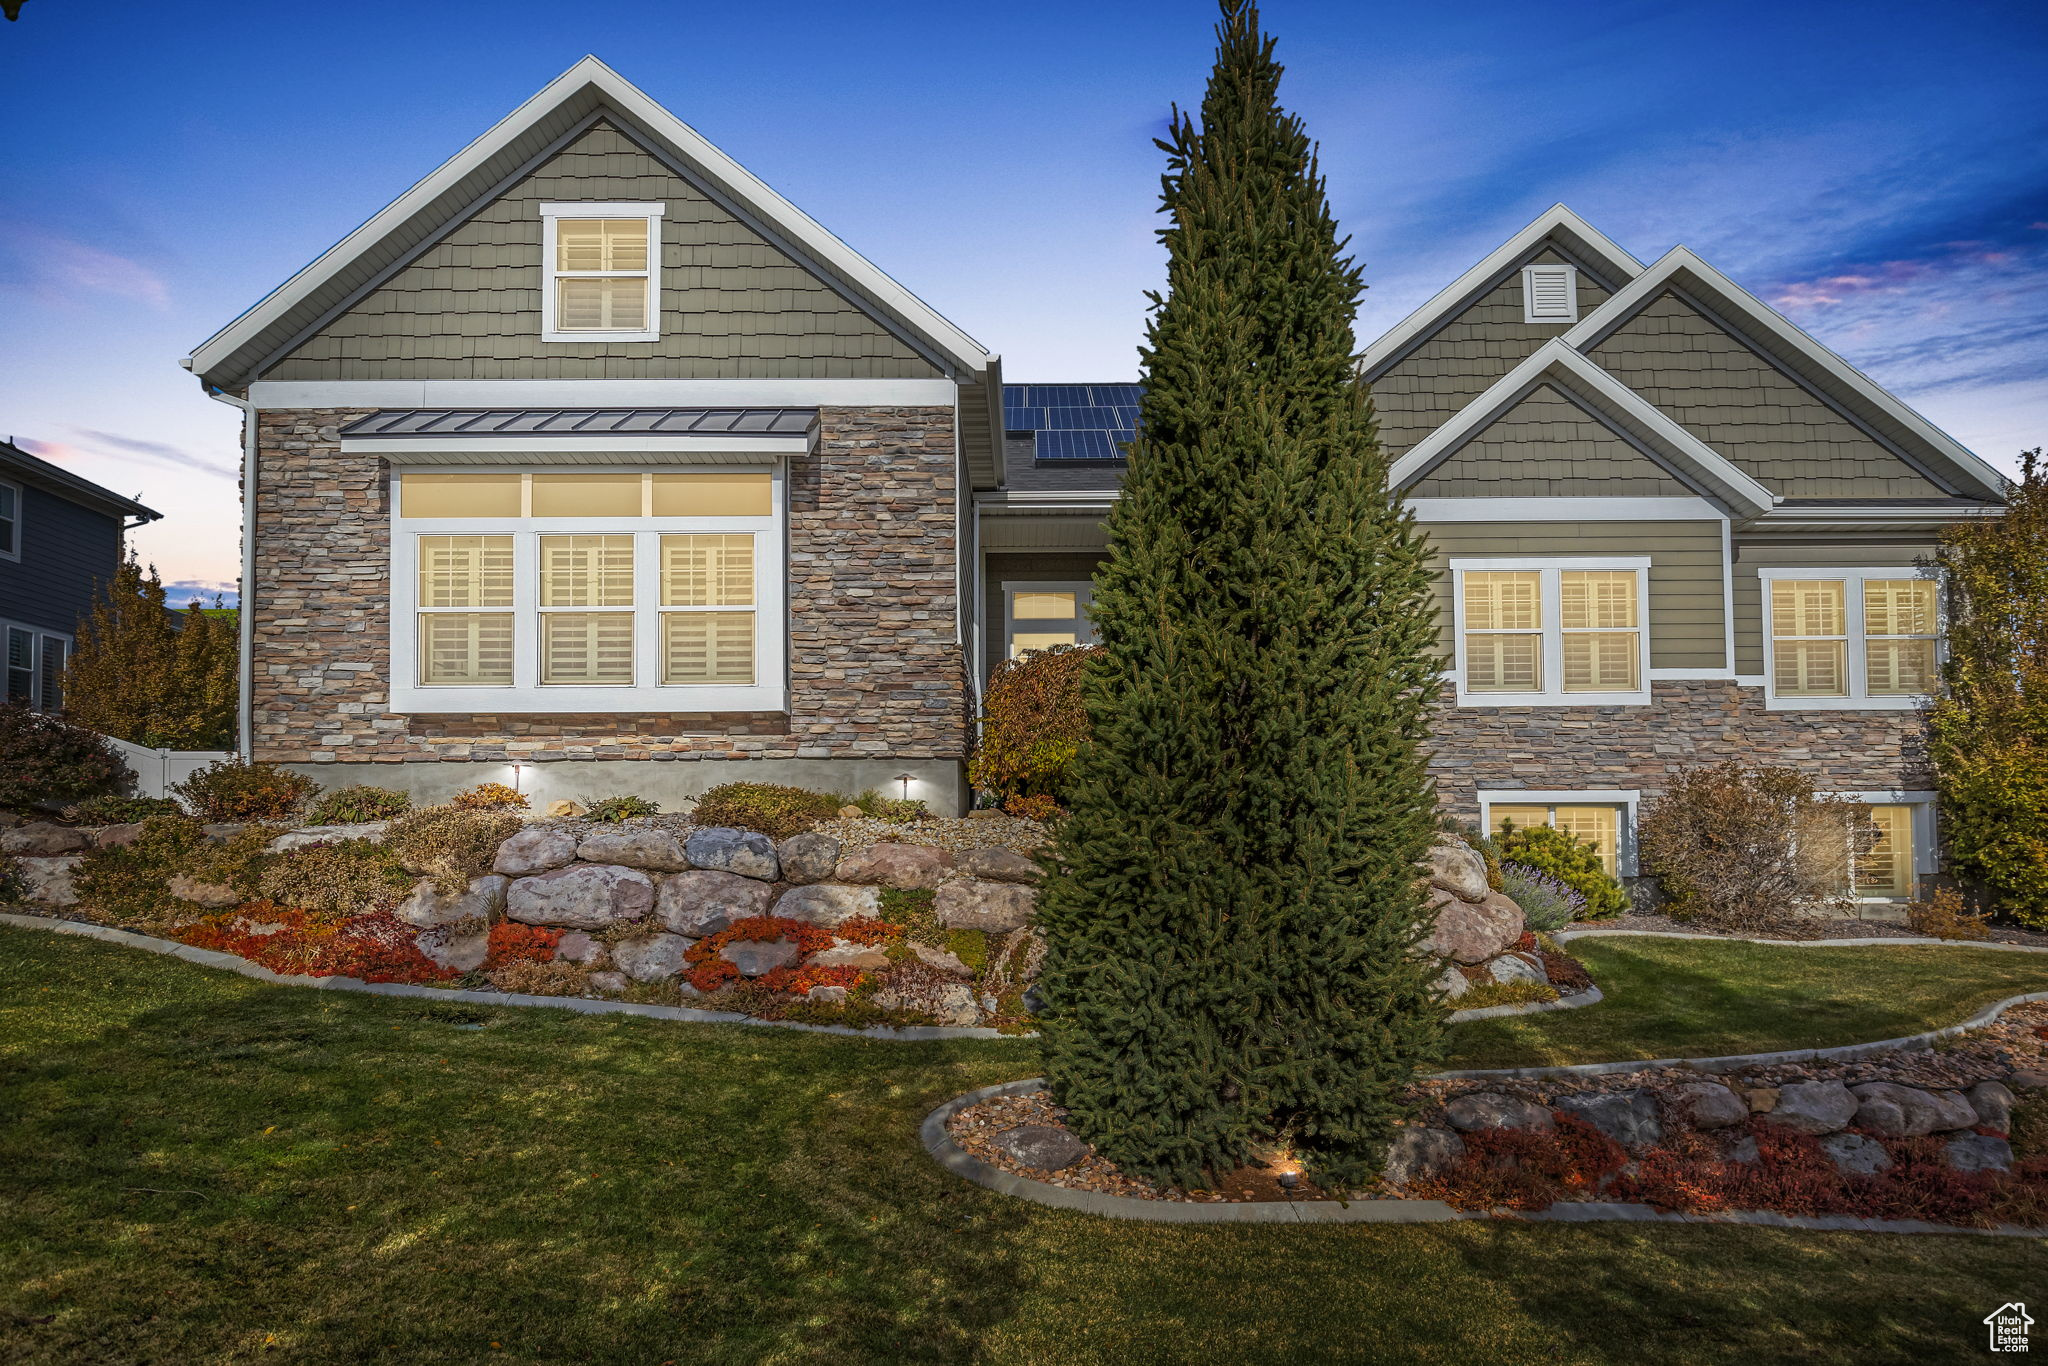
(1942, 916)
(1032, 724)
(1988, 730)
(448, 844)
(1567, 858)
(895, 810)
(120, 810)
(44, 759)
(615, 809)
(489, 796)
(357, 806)
(1546, 902)
(231, 792)
(769, 808)
(1036, 806)
(510, 942)
(338, 880)
(151, 676)
(131, 882)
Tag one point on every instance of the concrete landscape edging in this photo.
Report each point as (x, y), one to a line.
(939, 1144)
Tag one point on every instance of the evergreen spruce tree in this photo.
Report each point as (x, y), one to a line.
(151, 677)
(1234, 904)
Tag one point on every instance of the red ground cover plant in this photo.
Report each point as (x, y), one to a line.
(867, 929)
(712, 972)
(511, 942)
(373, 948)
(801, 978)
(1517, 1169)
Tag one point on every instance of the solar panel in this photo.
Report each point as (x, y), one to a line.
(1073, 421)
(1072, 445)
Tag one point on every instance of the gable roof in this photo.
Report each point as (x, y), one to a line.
(1582, 380)
(16, 463)
(520, 141)
(1918, 442)
(1558, 225)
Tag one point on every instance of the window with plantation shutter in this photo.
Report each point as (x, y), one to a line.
(1598, 619)
(1503, 632)
(707, 598)
(1568, 631)
(1550, 294)
(458, 644)
(602, 272)
(1855, 638)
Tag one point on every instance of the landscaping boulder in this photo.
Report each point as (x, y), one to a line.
(651, 958)
(1979, 1153)
(1513, 967)
(535, 849)
(2028, 1079)
(117, 836)
(1855, 1155)
(1993, 1104)
(42, 839)
(1041, 1147)
(1708, 1105)
(1418, 1151)
(1627, 1117)
(847, 954)
(746, 852)
(1956, 1112)
(753, 957)
(828, 903)
(1493, 1110)
(896, 865)
(1457, 868)
(1813, 1107)
(826, 994)
(808, 857)
(635, 846)
(706, 901)
(1473, 931)
(1452, 983)
(213, 895)
(610, 983)
(972, 904)
(454, 949)
(579, 948)
(481, 900)
(329, 834)
(998, 865)
(942, 959)
(1745, 1151)
(584, 896)
(47, 881)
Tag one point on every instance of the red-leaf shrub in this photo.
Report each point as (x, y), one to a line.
(712, 972)
(373, 948)
(868, 929)
(511, 942)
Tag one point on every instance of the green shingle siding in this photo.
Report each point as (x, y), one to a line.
(1732, 399)
(733, 306)
(1837, 552)
(1547, 446)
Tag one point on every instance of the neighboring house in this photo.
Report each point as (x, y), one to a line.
(60, 539)
(594, 465)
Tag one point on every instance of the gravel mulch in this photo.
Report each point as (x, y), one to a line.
(857, 833)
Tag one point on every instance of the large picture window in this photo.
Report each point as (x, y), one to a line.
(1864, 638)
(598, 590)
(1563, 631)
(602, 267)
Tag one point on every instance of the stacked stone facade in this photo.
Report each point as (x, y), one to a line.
(1686, 725)
(875, 666)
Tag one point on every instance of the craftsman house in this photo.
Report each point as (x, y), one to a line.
(594, 465)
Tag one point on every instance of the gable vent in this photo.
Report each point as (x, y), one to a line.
(1550, 294)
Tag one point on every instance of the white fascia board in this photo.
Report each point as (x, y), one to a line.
(686, 141)
(1438, 511)
(766, 447)
(1048, 500)
(1576, 373)
(603, 393)
(1580, 235)
(1681, 266)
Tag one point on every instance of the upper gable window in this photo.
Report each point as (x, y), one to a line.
(602, 267)
(1550, 294)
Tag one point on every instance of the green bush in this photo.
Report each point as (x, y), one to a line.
(46, 759)
(895, 810)
(131, 882)
(1032, 726)
(120, 810)
(616, 809)
(232, 791)
(342, 879)
(1567, 858)
(769, 808)
(358, 806)
(448, 844)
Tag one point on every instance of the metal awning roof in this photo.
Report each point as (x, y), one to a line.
(479, 423)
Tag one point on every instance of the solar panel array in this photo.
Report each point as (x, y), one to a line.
(1068, 422)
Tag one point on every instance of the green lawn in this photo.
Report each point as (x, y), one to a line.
(1700, 998)
(198, 1168)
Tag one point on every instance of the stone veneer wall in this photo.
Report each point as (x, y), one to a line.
(875, 667)
(1687, 724)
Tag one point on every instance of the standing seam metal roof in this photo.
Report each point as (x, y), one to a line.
(495, 422)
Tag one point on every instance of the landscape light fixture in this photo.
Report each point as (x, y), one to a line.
(906, 779)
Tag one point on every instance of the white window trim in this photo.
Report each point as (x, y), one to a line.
(1627, 799)
(1852, 610)
(38, 636)
(1553, 695)
(1925, 816)
(1571, 293)
(526, 695)
(20, 506)
(550, 214)
(1083, 591)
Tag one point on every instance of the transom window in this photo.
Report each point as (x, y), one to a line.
(593, 590)
(1040, 616)
(602, 268)
(1859, 638)
(1568, 632)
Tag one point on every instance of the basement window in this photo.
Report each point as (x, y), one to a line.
(1550, 294)
(601, 264)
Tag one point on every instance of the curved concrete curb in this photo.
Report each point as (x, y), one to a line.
(950, 1155)
(210, 958)
(1872, 942)
(1589, 997)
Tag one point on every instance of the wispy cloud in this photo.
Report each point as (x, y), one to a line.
(59, 267)
(92, 443)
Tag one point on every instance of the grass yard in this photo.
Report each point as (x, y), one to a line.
(198, 1168)
(1700, 998)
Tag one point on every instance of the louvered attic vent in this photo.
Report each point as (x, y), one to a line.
(1550, 294)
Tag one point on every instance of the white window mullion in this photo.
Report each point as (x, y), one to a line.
(525, 616)
(647, 661)
(1858, 653)
(1551, 593)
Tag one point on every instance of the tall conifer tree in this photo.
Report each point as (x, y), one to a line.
(1231, 925)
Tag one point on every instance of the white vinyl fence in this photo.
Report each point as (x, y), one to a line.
(157, 770)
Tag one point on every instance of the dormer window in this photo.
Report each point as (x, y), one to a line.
(602, 267)
(1550, 294)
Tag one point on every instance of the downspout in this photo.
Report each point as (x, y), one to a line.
(245, 713)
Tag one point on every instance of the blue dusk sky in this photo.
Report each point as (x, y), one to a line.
(1877, 171)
